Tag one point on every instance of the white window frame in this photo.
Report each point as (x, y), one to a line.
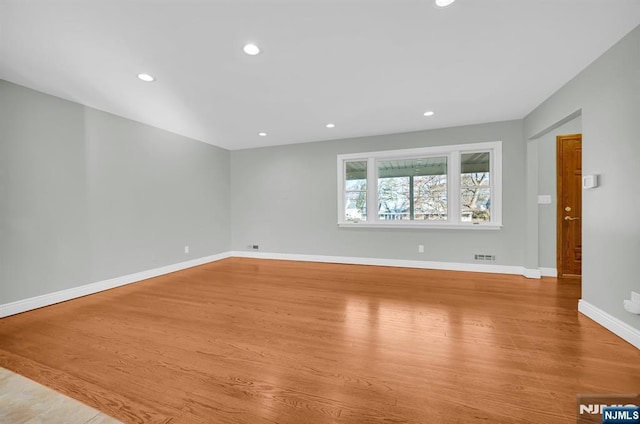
(453, 154)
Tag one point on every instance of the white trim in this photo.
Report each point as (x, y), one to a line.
(75, 292)
(549, 272)
(432, 150)
(372, 191)
(611, 323)
(454, 180)
(341, 185)
(416, 224)
(401, 263)
(496, 183)
(531, 273)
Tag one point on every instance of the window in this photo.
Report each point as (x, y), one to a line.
(440, 187)
(412, 189)
(355, 190)
(475, 187)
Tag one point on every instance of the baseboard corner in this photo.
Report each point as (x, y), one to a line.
(611, 323)
(548, 272)
(531, 273)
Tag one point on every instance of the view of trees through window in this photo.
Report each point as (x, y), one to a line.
(412, 189)
(419, 188)
(355, 191)
(476, 187)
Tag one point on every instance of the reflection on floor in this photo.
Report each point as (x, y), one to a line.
(25, 401)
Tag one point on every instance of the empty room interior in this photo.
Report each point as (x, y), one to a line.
(319, 211)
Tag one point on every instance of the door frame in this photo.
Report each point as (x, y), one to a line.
(559, 209)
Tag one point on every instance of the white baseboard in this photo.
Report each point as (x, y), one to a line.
(548, 272)
(449, 266)
(531, 273)
(611, 323)
(75, 292)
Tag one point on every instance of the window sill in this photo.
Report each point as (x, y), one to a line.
(413, 225)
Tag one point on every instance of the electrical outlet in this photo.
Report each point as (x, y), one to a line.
(186, 249)
(421, 248)
(635, 297)
(255, 247)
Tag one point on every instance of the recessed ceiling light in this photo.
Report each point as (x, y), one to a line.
(331, 125)
(251, 49)
(444, 3)
(429, 113)
(262, 134)
(146, 77)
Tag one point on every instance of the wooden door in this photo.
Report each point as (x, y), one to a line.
(569, 178)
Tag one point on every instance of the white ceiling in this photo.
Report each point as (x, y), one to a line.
(369, 66)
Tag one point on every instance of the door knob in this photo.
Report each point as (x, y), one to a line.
(571, 218)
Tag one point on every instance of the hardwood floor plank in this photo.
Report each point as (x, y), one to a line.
(260, 341)
(128, 409)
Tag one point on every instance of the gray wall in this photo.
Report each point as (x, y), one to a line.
(86, 196)
(608, 93)
(284, 198)
(547, 185)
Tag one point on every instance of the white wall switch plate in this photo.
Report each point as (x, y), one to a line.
(632, 307)
(635, 297)
(589, 181)
(544, 199)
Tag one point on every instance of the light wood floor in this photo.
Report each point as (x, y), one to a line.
(257, 341)
(25, 401)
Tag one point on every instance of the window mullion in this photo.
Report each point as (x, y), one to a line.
(372, 190)
(453, 187)
(411, 204)
(496, 185)
(341, 189)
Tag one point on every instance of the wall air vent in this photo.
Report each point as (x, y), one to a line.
(480, 257)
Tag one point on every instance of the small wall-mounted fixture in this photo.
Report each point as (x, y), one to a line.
(633, 305)
(589, 181)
